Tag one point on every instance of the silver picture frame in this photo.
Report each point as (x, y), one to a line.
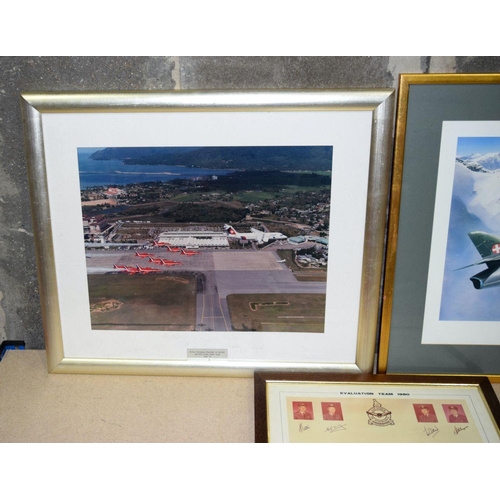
(39, 109)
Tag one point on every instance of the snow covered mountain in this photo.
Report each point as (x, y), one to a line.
(477, 185)
(488, 161)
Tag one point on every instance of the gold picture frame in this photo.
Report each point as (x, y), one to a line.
(356, 124)
(305, 407)
(431, 321)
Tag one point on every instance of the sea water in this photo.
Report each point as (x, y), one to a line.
(115, 172)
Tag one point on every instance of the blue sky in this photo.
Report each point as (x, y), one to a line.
(477, 145)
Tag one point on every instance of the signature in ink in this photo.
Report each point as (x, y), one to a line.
(303, 428)
(458, 429)
(335, 428)
(431, 431)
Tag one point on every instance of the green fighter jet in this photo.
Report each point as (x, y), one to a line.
(488, 247)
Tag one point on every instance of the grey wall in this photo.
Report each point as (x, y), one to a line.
(19, 300)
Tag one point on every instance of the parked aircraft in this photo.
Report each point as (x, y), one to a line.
(255, 235)
(131, 270)
(173, 249)
(128, 269)
(488, 247)
(232, 233)
(143, 255)
(169, 263)
(147, 270)
(135, 270)
(189, 252)
(159, 244)
(155, 260)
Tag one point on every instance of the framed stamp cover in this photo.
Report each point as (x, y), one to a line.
(440, 313)
(338, 408)
(209, 232)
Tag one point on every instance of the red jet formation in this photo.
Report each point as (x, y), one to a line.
(135, 270)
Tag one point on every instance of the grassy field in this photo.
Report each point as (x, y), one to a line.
(272, 312)
(143, 302)
(315, 275)
(186, 197)
(253, 196)
(288, 256)
(302, 274)
(284, 191)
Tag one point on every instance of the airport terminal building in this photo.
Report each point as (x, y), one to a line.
(195, 239)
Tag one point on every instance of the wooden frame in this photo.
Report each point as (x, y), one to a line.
(431, 323)
(356, 124)
(374, 408)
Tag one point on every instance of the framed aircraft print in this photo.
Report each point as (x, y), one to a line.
(442, 284)
(209, 232)
(298, 407)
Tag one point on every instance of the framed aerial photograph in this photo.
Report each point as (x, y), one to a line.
(304, 407)
(442, 285)
(209, 232)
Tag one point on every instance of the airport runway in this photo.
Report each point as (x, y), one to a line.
(223, 272)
